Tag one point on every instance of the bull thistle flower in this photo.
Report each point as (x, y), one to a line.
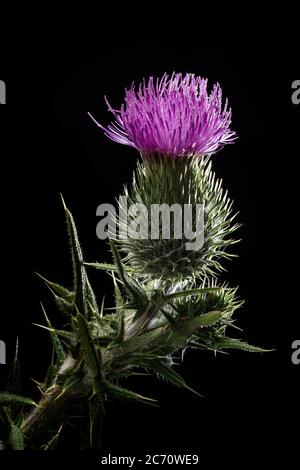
(170, 298)
(174, 116)
(174, 122)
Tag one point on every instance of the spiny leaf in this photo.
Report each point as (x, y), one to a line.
(139, 298)
(206, 319)
(71, 382)
(55, 339)
(91, 298)
(232, 343)
(6, 398)
(13, 380)
(185, 328)
(118, 261)
(52, 444)
(78, 268)
(51, 373)
(16, 438)
(120, 336)
(132, 373)
(58, 289)
(96, 421)
(92, 357)
(108, 267)
(169, 374)
(194, 343)
(65, 307)
(134, 288)
(64, 334)
(117, 293)
(64, 298)
(123, 393)
(186, 293)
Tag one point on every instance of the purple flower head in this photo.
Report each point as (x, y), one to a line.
(174, 116)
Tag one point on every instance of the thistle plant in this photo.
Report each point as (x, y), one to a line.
(167, 298)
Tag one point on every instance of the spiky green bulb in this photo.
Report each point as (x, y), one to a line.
(185, 182)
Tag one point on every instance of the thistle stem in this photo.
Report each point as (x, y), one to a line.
(48, 412)
(141, 324)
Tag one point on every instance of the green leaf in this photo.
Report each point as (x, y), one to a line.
(71, 382)
(186, 293)
(51, 373)
(120, 336)
(65, 307)
(168, 373)
(117, 293)
(91, 355)
(139, 299)
(232, 343)
(16, 438)
(133, 373)
(6, 398)
(185, 328)
(64, 298)
(91, 298)
(204, 320)
(107, 267)
(78, 268)
(13, 379)
(55, 340)
(58, 289)
(118, 261)
(123, 393)
(139, 296)
(96, 421)
(64, 334)
(52, 444)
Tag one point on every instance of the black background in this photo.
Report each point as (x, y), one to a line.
(250, 409)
